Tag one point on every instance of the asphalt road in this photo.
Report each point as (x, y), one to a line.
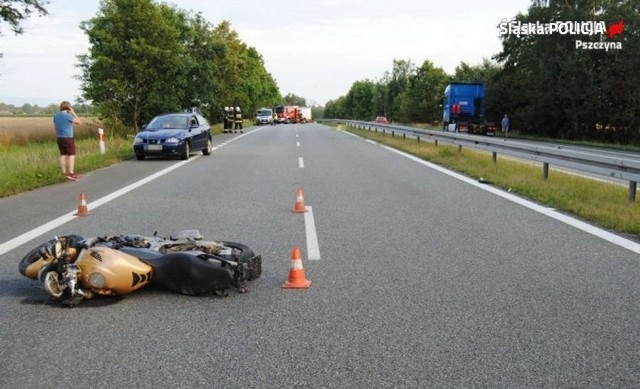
(424, 280)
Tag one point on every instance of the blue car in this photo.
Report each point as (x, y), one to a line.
(174, 134)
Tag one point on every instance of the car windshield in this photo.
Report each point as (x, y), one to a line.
(169, 121)
(264, 112)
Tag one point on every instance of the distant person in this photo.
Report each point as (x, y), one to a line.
(238, 120)
(505, 126)
(63, 122)
(227, 119)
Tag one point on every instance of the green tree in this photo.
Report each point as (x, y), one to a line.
(28, 109)
(484, 72)
(243, 78)
(16, 11)
(335, 109)
(202, 77)
(359, 101)
(293, 99)
(230, 65)
(404, 94)
(615, 106)
(380, 101)
(317, 111)
(396, 84)
(554, 89)
(259, 87)
(147, 58)
(135, 62)
(420, 101)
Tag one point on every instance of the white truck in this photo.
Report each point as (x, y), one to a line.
(305, 113)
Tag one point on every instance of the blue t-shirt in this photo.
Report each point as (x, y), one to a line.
(63, 121)
(505, 123)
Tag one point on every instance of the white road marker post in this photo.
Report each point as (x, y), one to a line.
(101, 140)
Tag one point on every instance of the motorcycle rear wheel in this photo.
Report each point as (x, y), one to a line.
(241, 253)
(247, 258)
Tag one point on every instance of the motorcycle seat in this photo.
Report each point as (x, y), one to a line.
(143, 254)
(187, 235)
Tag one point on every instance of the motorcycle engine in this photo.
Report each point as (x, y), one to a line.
(137, 241)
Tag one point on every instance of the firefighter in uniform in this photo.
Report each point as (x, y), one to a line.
(229, 119)
(238, 120)
(224, 119)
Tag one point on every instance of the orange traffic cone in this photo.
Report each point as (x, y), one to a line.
(82, 207)
(297, 279)
(299, 207)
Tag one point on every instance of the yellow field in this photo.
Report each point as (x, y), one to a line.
(25, 129)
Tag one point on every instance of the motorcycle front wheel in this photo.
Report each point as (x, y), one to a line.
(37, 253)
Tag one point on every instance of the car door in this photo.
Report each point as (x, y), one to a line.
(197, 137)
(205, 128)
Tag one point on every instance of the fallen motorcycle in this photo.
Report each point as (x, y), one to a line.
(73, 268)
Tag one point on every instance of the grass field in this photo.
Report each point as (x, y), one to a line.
(21, 130)
(29, 154)
(34, 165)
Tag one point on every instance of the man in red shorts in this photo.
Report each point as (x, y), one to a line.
(63, 122)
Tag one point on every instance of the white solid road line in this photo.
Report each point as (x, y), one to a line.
(588, 228)
(43, 229)
(27, 236)
(313, 248)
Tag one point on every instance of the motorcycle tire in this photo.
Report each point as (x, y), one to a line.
(51, 282)
(35, 254)
(241, 253)
(252, 263)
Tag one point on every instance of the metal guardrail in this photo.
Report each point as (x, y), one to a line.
(614, 167)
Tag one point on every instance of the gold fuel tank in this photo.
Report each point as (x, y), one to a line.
(111, 272)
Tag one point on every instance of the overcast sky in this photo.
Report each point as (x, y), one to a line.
(315, 49)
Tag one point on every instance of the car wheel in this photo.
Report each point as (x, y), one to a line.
(207, 150)
(186, 152)
(140, 157)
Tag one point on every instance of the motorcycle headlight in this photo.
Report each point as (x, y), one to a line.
(137, 139)
(172, 140)
(97, 280)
